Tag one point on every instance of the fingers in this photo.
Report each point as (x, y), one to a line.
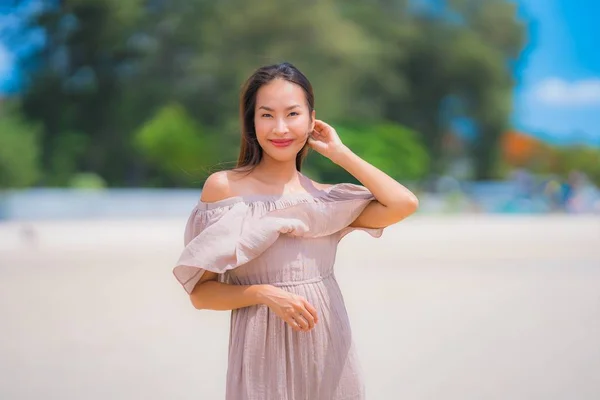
(303, 323)
(295, 326)
(316, 144)
(321, 125)
(319, 133)
(306, 318)
(296, 311)
(303, 317)
(297, 323)
(312, 311)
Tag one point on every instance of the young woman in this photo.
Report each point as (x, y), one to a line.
(262, 242)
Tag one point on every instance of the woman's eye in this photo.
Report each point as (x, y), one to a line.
(294, 113)
(266, 115)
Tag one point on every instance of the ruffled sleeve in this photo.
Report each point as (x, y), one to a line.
(222, 238)
(218, 240)
(187, 272)
(349, 200)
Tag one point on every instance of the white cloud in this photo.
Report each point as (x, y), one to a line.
(558, 92)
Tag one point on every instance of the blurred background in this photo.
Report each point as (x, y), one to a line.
(113, 113)
(479, 106)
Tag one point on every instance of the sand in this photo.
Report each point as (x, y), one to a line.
(460, 307)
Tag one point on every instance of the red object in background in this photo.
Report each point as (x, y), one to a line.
(518, 149)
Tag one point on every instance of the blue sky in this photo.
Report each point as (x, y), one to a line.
(558, 96)
(558, 93)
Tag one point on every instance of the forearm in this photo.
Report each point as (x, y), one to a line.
(213, 295)
(386, 190)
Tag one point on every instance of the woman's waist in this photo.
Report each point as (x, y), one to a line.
(281, 281)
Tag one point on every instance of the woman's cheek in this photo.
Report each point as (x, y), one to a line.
(259, 128)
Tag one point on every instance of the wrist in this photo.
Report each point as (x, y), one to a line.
(341, 155)
(262, 294)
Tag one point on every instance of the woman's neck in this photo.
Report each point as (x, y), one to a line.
(276, 172)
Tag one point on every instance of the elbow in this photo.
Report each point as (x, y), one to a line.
(196, 303)
(202, 295)
(406, 207)
(197, 299)
(413, 204)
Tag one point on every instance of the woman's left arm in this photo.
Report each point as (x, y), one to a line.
(394, 201)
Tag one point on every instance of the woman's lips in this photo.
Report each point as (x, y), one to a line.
(282, 142)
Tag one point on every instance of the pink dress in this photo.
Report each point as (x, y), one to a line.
(289, 241)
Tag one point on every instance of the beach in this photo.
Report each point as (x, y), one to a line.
(453, 307)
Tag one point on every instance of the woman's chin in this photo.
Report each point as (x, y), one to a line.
(284, 155)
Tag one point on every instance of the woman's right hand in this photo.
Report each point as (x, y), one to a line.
(295, 310)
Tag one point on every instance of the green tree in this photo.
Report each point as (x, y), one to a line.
(578, 158)
(109, 66)
(75, 81)
(19, 150)
(393, 148)
(447, 61)
(176, 145)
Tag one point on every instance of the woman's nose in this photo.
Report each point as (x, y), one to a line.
(280, 127)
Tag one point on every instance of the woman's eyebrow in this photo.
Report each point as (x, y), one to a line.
(270, 109)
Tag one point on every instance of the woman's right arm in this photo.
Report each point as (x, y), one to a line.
(209, 294)
(212, 295)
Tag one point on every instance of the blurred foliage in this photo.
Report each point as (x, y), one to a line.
(146, 93)
(577, 158)
(175, 143)
(19, 150)
(390, 147)
(87, 181)
(67, 151)
(523, 151)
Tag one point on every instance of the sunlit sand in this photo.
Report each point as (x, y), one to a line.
(465, 307)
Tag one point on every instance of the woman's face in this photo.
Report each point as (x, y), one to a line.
(282, 120)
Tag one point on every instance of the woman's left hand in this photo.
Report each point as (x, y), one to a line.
(325, 141)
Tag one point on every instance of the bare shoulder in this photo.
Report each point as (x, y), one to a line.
(217, 187)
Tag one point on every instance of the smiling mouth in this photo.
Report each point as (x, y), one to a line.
(282, 142)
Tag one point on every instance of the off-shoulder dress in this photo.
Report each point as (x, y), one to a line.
(289, 241)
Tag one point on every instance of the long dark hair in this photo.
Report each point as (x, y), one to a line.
(250, 151)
